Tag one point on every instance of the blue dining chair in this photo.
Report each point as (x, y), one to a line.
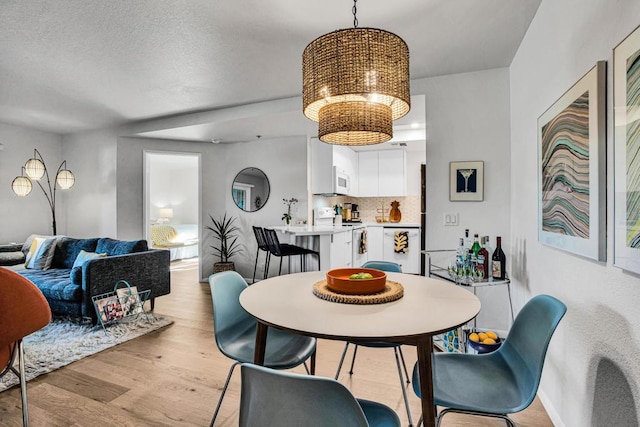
(397, 348)
(285, 399)
(235, 332)
(504, 381)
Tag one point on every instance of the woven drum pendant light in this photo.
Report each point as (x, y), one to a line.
(355, 82)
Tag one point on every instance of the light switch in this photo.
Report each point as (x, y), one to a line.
(451, 219)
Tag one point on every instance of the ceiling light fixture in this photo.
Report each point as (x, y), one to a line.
(355, 82)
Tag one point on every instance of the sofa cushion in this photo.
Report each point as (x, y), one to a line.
(76, 275)
(119, 247)
(55, 283)
(68, 248)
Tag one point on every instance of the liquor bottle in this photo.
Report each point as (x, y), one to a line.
(460, 254)
(498, 261)
(488, 247)
(467, 240)
(483, 259)
(476, 245)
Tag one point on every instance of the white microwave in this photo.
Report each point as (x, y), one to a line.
(341, 181)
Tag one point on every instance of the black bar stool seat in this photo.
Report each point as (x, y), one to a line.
(286, 250)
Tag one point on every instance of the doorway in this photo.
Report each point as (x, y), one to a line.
(172, 199)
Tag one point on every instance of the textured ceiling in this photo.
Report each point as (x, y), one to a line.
(74, 65)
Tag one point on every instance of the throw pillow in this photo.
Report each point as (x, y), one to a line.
(84, 256)
(40, 253)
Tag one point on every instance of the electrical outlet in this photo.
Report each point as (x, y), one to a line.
(451, 219)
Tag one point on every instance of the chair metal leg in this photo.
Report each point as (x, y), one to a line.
(353, 361)
(344, 353)
(23, 385)
(481, 414)
(402, 385)
(266, 265)
(224, 390)
(255, 267)
(406, 373)
(280, 270)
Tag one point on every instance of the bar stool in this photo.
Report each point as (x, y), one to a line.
(262, 246)
(285, 250)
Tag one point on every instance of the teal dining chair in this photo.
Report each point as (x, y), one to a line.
(285, 399)
(393, 267)
(235, 332)
(504, 381)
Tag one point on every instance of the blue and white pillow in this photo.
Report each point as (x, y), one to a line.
(40, 253)
(85, 256)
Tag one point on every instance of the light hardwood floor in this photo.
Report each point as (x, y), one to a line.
(173, 377)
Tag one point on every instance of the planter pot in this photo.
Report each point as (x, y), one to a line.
(223, 266)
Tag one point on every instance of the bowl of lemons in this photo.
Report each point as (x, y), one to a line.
(484, 341)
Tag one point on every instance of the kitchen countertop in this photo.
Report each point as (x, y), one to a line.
(316, 230)
(393, 224)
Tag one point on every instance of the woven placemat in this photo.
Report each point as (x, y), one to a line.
(392, 291)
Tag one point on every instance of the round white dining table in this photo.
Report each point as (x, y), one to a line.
(428, 307)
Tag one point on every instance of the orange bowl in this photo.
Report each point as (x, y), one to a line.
(338, 281)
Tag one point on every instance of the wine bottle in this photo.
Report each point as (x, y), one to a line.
(483, 260)
(498, 261)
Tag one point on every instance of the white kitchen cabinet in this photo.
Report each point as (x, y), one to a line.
(323, 159)
(382, 173)
(392, 166)
(374, 243)
(341, 250)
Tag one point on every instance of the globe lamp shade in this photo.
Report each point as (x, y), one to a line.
(21, 186)
(65, 179)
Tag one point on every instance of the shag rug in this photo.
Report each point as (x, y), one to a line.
(62, 342)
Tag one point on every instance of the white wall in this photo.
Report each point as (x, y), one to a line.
(21, 216)
(592, 375)
(468, 119)
(92, 205)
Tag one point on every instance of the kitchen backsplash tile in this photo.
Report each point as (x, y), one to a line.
(370, 207)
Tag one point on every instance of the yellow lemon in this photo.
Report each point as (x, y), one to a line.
(492, 335)
(482, 336)
(488, 341)
(474, 337)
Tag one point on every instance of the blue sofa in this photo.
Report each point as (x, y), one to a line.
(69, 290)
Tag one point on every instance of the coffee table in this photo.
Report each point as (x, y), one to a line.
(428, 307)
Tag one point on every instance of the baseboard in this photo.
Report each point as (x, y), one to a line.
(551, 411)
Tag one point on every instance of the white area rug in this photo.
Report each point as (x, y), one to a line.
(63, 342)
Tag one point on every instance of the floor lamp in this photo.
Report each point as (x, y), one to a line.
(34, 170)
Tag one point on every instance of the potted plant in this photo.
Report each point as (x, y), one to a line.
(226, 244)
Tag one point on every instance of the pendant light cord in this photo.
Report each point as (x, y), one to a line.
(354, 10)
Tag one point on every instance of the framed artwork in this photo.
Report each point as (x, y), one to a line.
(626, 99)
(571, 169)
(466, 181)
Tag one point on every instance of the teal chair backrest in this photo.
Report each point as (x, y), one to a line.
(230, 320)
(285, 399)
(525, 347)
(389, 266)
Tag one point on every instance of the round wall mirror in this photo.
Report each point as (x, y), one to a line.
(250, 189)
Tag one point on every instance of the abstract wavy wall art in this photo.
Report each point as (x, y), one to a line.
(633, 151)
(572, 168)
(565, 171)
